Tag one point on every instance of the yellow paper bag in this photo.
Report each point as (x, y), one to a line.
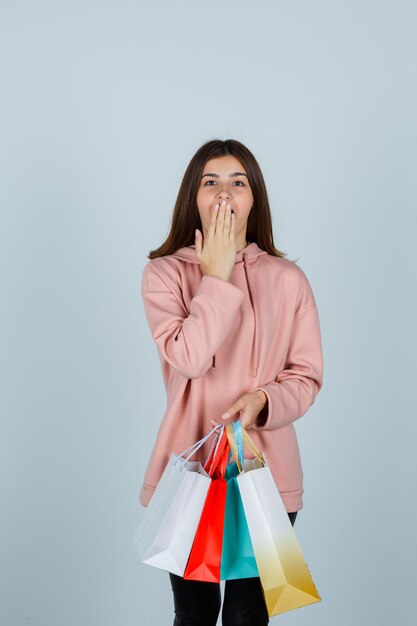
(286, 580)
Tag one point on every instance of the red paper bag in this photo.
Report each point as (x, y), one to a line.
(205, 555)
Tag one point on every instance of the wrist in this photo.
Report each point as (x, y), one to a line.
(225, 278)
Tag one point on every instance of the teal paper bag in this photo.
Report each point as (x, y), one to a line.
(238, 559)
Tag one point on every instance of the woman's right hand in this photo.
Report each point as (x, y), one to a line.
(217, 257)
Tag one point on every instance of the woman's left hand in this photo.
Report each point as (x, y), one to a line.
(249, 405)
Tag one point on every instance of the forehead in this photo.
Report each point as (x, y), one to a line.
(224, 165)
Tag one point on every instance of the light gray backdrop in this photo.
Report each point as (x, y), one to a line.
(102, 106)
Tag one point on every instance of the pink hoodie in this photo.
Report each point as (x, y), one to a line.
(217, 340)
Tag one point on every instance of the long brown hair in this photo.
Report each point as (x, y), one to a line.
(186, 218)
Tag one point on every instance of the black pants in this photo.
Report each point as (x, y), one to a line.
(197, 603)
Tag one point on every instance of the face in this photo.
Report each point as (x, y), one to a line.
(224, 178)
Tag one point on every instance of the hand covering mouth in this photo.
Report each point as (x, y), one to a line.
(232, 209)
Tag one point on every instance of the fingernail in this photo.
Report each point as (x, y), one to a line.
(225, 416)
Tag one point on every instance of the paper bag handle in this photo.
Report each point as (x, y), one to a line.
(230, 431)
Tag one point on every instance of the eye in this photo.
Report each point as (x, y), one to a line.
(213, 181)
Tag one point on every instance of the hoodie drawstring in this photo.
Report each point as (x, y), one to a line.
(255, 315)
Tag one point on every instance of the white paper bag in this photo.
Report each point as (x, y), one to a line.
(166, 533)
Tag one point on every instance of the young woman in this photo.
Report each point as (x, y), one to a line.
(237, 332)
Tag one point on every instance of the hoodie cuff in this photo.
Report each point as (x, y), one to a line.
(263, 413)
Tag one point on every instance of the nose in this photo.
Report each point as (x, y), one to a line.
(224, 195)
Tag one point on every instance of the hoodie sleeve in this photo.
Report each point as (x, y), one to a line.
(188, 341)
(296, 386)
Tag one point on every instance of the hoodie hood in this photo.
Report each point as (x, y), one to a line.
(244, 259)
(251, 252)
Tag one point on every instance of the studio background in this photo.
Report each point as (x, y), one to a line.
(102, 106)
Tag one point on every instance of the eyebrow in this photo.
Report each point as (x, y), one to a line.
(230, 175)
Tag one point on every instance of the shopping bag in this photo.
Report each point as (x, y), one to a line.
(285, 577)
(238, 559)
(205, 555)
(166, 532)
